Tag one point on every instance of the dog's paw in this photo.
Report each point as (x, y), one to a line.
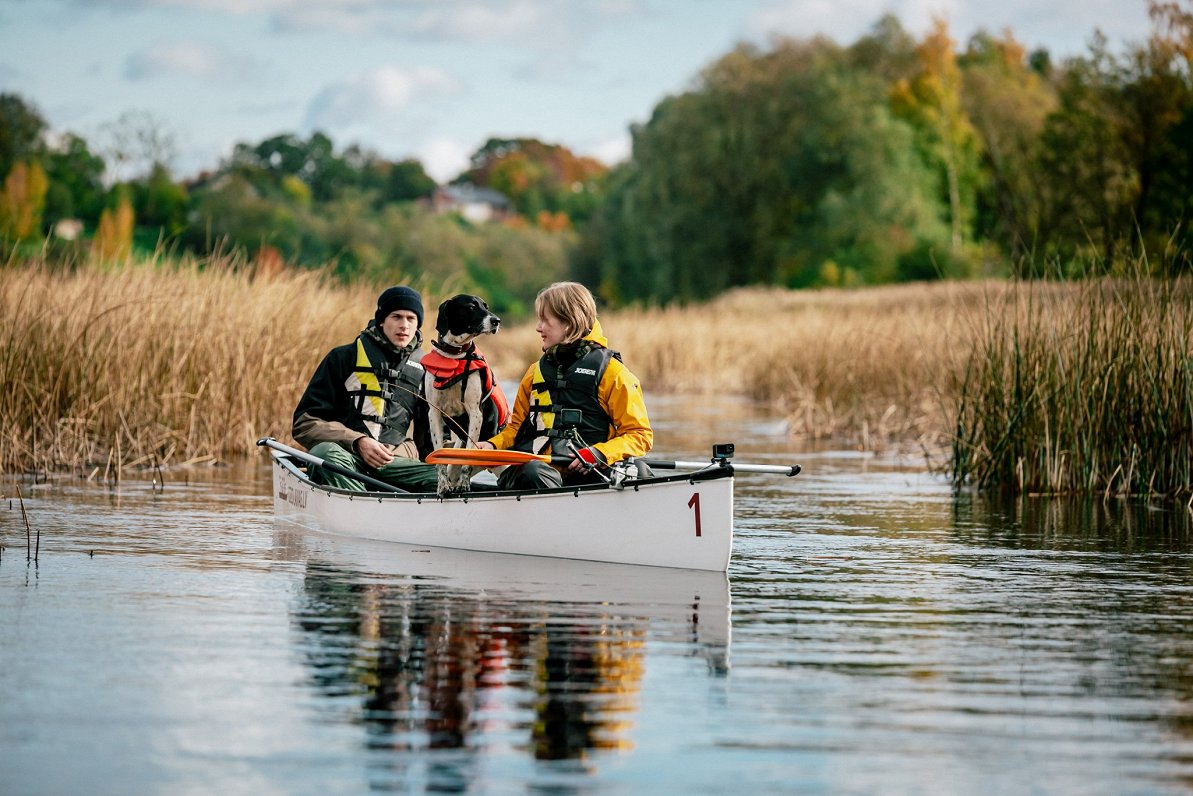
(463, 479)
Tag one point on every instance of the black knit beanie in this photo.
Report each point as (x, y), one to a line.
(399, 298)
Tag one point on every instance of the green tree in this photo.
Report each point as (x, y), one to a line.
(76, 182)
(887, 51)
(1008, 102)
(931, 101)
(313, 160)
(161, 202)
(1157, 98)
(539, 177)
(21, 130)
(1086, 180)
(406, 181)
(230, 213)
(1117, 164)
(775, 164)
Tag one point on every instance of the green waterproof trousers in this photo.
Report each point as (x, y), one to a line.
(409, 474)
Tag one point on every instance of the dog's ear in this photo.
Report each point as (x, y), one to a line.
(441, 322)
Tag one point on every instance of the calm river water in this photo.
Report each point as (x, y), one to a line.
(873, 635)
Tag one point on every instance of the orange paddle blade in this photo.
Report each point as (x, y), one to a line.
(482, 458)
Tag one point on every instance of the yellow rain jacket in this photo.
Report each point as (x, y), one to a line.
(620, 396)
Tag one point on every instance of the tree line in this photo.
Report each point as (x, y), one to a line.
(892, 159)
(804, 163)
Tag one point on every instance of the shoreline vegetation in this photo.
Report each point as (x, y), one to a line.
(1026, 387)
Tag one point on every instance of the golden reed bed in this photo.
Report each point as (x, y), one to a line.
(151, 364)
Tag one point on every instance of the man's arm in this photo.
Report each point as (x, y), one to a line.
(321, 409)
(308, 431)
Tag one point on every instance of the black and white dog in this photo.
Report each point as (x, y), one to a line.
(466, 402)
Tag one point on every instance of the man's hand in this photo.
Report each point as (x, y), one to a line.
(373, 452)
(485, 445)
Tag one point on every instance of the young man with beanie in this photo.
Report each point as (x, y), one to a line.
(362, 409)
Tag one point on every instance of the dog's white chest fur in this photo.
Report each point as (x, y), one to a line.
(461, 320)
(455, 399)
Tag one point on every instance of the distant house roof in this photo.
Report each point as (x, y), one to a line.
(467, 193)
(474, 203)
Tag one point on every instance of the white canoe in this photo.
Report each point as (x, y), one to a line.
(683, 520)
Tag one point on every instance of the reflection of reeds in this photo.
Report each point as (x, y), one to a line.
(1074, 523)
(1080, 388)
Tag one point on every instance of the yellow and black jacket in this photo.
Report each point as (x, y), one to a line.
(365, 388)
(614, 422)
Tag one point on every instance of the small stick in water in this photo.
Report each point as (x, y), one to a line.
(29, 554)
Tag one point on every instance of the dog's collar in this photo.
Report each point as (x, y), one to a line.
(453, 350)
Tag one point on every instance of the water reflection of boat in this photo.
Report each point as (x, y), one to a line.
(683, 521)
(695, 601)
(440, 649)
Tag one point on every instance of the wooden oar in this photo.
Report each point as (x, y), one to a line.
(270, 442)
(488, 458)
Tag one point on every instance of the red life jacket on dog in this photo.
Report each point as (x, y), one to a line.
(447, 371)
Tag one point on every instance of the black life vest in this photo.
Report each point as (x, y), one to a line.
(383, 396)
(574, 387)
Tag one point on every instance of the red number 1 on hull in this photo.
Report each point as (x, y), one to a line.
(694, 504)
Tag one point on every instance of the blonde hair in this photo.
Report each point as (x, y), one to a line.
(572, 304)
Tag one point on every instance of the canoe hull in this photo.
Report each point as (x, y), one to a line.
(681, 521)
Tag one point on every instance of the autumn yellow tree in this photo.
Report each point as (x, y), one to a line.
(22, 201)
(931, 100)
(114, 235)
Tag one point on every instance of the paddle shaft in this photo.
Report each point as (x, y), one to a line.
(270, 442)
(490, 458)
(776, 469)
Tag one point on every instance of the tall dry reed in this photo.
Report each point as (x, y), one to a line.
(1080, 388)
(1036, 387)
(153, 363)
(865, 367)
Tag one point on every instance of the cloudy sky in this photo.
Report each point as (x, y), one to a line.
(434, 79)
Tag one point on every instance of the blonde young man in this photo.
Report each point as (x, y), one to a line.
(577, 371)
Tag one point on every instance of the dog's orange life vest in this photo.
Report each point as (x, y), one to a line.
(447, 371)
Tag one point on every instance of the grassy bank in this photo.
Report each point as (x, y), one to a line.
(1023, 386)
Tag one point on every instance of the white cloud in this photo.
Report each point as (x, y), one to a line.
(443, 159)
(192, 59)
(480, 20)
(378, 98)
(612, 150)
(363, 18)
(842, 22)
(239, 7)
